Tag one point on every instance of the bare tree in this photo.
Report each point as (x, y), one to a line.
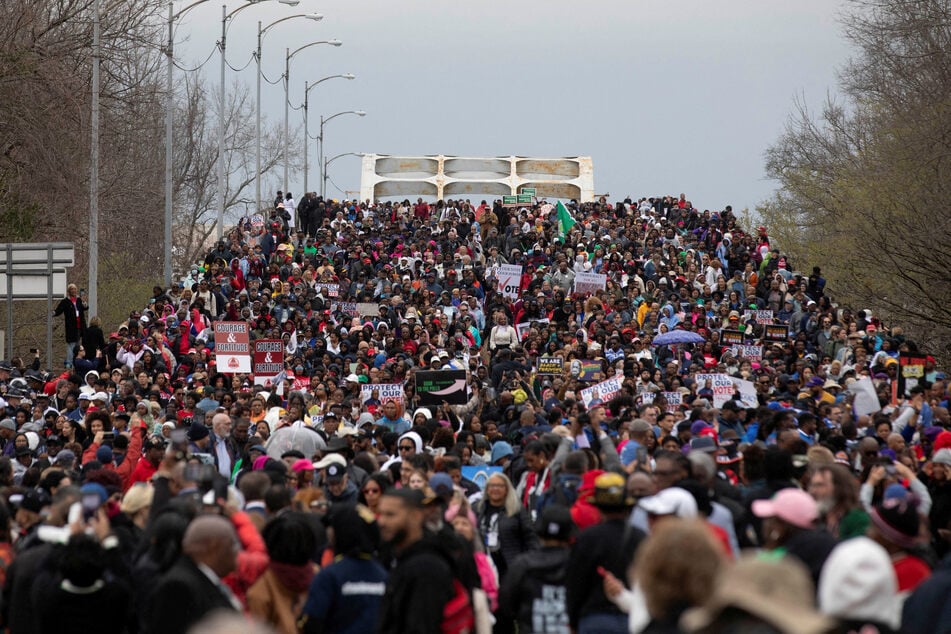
(865, 183)
(196, 156)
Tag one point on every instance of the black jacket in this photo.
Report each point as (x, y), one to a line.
(611, 545)
(533, 592)
(65, 307)
(183, 596)
(417, 590)
(516, 534)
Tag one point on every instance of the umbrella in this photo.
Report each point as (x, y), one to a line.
(676, 337)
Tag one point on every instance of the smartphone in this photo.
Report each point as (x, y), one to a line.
(108, 436)
(33, 350)
(91, 504)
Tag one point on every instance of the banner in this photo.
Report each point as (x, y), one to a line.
(760, 316)
(747, 390)
(435, 386)
(590, 282)
(385, 392)
(602, 392)
(347, 308)
(551, 366)
(753, 353)
(510, 279)
(368, 309)
(522, 329)
(328, 290)
(479, 475)
(731, 338)
(674, 401)
(721, 384)
(268, 360)
(232, 346)
(588, 369)
(776, 332)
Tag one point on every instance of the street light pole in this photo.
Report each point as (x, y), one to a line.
(320, 138)
(288, 54)
(327, 165)
(257, 123)
(221, 128)
(93, 172)
(169, 104)
(307, 88)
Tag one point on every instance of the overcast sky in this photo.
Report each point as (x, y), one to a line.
(666, 96)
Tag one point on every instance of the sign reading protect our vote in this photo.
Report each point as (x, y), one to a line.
(721, 384)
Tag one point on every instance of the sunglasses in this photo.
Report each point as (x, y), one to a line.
(407, 447)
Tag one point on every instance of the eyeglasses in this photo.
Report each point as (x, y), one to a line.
(407, 447)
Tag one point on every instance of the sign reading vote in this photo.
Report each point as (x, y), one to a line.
(731, 337)
(232, 346)
(268, 360)
(510, 279)
(383, 392)
(721, 384)
(436, 386)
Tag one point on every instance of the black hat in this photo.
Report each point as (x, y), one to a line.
(197, 431)
(334, 473)
(34, 500)
(24, 451)
(555, 522)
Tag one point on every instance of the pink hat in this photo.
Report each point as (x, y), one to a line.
(793, 506)
(302, 465)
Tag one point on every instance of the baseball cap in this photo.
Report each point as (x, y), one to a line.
(334, 473)
(672, 501)
(610, 492)
(555, 522)
(793, 506)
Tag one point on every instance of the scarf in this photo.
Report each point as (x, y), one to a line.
(293, 577)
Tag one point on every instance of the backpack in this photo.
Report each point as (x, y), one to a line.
(562, 492)
(458, 617)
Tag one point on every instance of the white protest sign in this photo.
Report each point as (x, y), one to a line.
(522, 329)
(747, 390)
(674, 400)
(866, 399)
(510, 279)
(753, 353)
(721, 384)
(647, 397)
(603, 391)
(590, 282)
(347, 308)
(761, 316)
(386, 392)
(368, 309)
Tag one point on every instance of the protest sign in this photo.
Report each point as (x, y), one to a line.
(268, 360)
(753, 353)
(747, 390)
(866, 399)
(328, 290)
(385, 392)
(588, 369)
(912, 370)
(603, 391)
(731, 337)
(436, 386)
(232, 346)
(510, 279)
(551, 366)
(347, 308)
(721, 384)
(674, 400)
(759, 316)
(522, 329)
(776, 332)
(590, 282)
(368, 309)
(479, 475)
(646, 398)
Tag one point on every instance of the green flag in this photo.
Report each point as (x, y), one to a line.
(565, 221)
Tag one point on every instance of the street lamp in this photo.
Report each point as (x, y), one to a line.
(225, 17)
(316, 17)
(327, 165)
(287, 82)
(169, 106)
(320, 138)
(307, 89)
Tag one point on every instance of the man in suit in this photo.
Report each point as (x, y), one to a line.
(192, 588)
(73, 308)
(223, 445)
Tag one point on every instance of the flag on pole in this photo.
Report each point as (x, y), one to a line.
(565, 221)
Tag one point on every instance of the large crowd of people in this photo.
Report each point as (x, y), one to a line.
(636, 416)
